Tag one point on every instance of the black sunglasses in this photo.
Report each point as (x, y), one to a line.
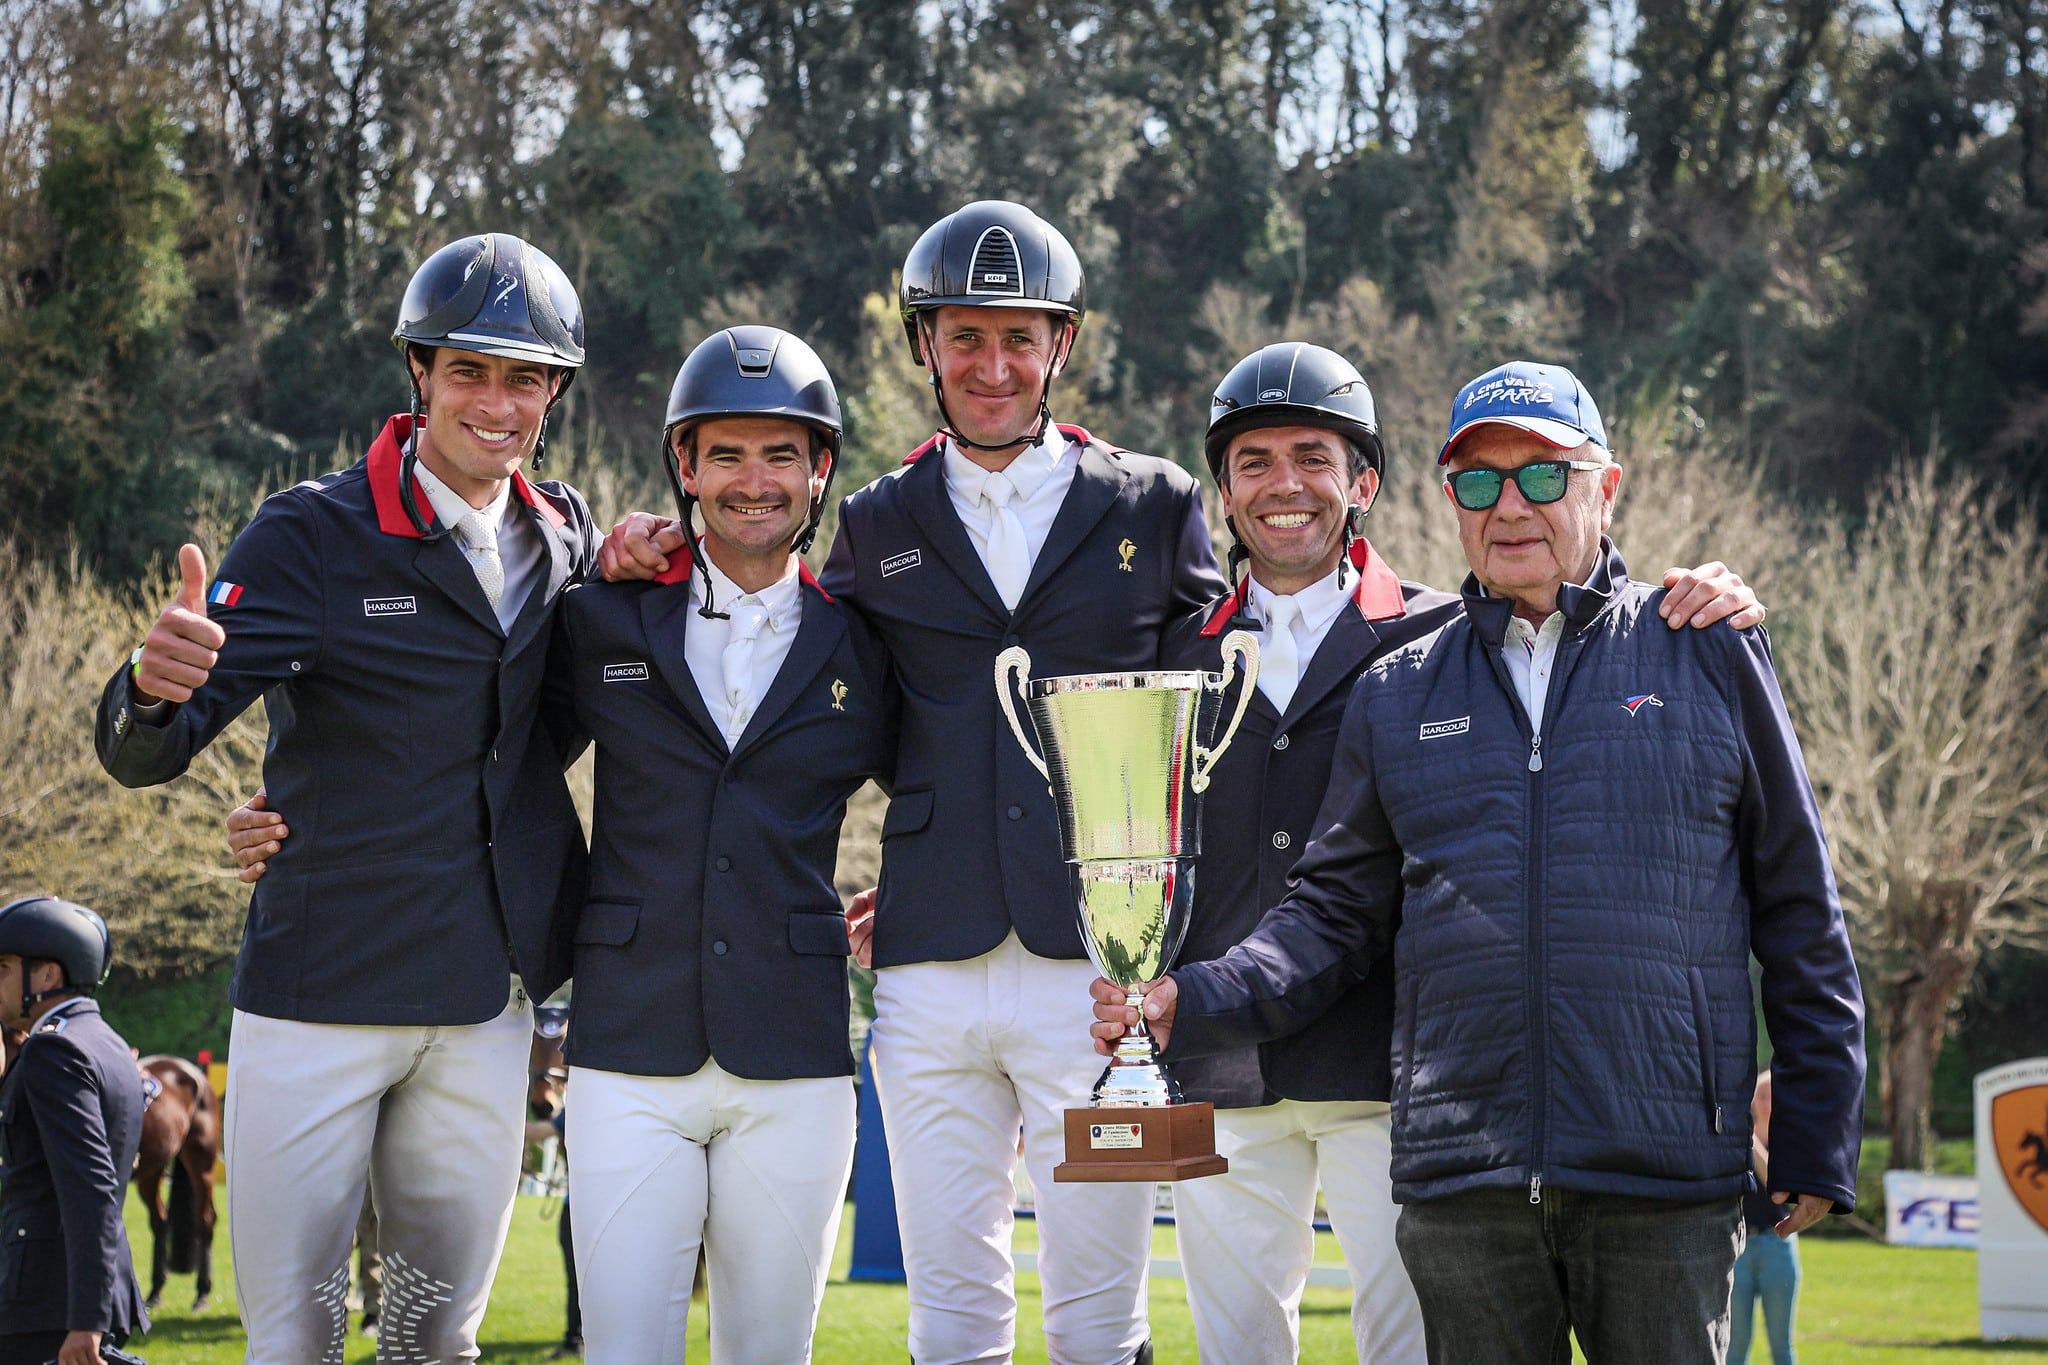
(1544, 481)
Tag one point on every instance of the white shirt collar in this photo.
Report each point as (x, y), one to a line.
(779, 598)
(1318, 602)
(451, 507)
(1027, 473)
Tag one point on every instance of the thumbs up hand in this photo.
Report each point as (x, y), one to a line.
(182, 647)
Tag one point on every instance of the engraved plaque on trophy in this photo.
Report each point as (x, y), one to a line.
(1126, 757)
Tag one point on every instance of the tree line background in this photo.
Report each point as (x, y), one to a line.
(1799, 250)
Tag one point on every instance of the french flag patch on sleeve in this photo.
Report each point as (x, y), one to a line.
(224, 594)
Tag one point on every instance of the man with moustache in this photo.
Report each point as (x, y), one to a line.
(735, 707)
(1575, 829)
(1295, 447)
(395, 616)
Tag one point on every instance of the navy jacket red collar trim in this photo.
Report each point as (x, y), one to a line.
(1378, 595)
(680, 566)
(385, 459)
(1066, 429)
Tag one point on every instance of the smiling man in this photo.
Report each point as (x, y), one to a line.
(1575, 826)
(395, 617)
(735, 708)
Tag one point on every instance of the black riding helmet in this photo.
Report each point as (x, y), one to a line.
(73, 937)
(993, 254)
(751, 372)
(494, 294)
(1294, 384)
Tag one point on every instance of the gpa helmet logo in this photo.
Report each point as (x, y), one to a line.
(1272, 395)
(2019, 1135)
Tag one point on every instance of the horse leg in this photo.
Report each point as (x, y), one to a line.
(199, 1163)
(149, 1177)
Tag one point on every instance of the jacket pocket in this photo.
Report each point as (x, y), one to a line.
(31, 1267)
(1703, 1035)
(611, 923)
(909, 812)
(819, 932)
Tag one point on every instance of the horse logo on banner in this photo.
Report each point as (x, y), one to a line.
(2019, 1134)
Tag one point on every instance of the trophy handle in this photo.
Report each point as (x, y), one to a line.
(1013, 670)
(1236, 645)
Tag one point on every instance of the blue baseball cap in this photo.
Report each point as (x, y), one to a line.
(1547, 401)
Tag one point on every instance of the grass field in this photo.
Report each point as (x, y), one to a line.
(1861, 1302)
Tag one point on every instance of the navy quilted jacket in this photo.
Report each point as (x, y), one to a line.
(1573, 920)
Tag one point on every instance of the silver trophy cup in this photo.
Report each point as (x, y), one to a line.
(1126, 758)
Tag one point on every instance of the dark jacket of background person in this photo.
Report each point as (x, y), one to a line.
(970, 826)
(1576, 921)
(1259, 814)
(432, 833)
(712, 927)
(70, 1123)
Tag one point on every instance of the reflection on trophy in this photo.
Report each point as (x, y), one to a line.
(1126, 758)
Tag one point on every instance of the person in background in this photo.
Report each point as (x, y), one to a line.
(1768, 1268)
(70, 1125)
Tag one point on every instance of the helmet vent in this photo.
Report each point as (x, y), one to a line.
(996, 268)
(754, 362)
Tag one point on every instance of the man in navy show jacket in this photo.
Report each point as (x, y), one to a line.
(70, 1123)
(395, 617)
(1573, 890)
(735, 707)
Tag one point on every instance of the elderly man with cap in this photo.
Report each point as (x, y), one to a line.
(1295, 446)
(70, 1122)
(1574, 827)
(395, 617)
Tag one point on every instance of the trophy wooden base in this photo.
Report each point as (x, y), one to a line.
(1153, 1143)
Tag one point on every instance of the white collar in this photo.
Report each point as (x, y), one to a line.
(780, 599)
(451, 507)
(1318, 603)
(1027, 473)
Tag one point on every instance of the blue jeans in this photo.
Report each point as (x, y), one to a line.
(1768, 1270)
(1504, 1280)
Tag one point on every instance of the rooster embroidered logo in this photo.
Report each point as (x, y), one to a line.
(838, 694)
(1635, 704)
(1124, 551)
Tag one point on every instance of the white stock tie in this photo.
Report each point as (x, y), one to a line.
(479, 536)
(748, 619)
(1279, 656)
(1009, 556)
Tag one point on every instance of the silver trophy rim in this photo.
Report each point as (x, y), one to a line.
(1180, 680)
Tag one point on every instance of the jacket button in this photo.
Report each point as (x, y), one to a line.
(718, 948)
(1282, 742)
(724, 864)
(494, 755)
(1281, 838)
(1016, 812)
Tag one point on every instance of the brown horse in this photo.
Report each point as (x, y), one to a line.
(181, 1134)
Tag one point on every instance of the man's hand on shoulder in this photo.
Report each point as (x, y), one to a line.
(255, 833)
(1114, 1016)
(179, 653)
(1709, 594)
(1809, 1209)
(639, 547)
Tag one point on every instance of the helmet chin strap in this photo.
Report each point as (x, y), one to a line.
(1040, 425)
(686, 506)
